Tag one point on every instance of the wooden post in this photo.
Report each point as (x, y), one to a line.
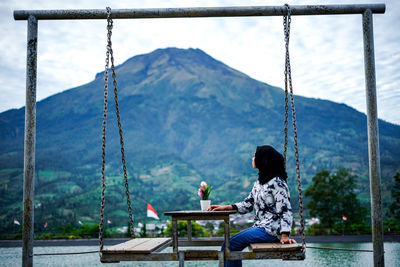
(29, 143)
(373, 140)
(175, 235)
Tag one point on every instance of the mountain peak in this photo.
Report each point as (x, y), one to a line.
(170, 53)
(175, 53)
(173, 72)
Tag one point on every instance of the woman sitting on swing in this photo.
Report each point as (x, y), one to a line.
(270, 199)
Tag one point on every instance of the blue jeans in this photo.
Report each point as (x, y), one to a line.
(241, 240)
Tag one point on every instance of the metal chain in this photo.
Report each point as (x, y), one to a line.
(288, 79)
(109, 53)
(121, 139)
(103, 164)
(341, 249)
(285, 21)
(66, 253)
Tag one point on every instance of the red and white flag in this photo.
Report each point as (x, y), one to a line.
(16, 222)
(344, 218)
(108, 221)
(45, 224)
(151, 212)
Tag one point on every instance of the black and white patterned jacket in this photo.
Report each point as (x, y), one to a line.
(271, 203)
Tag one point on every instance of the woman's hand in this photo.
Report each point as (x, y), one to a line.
(218, 207)
(285, 240)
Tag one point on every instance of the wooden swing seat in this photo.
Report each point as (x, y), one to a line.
(270, 247)
(139, 246)
(284, 251)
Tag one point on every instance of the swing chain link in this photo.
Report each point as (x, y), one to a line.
(103, 185)
(109, 54)
(286, 20)
(288, 81)
(121, 139)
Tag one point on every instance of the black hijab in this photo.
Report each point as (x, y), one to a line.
(270, 164)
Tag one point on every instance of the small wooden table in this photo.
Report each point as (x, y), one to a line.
(198, 215)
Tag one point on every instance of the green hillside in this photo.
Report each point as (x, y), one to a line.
(186, 117)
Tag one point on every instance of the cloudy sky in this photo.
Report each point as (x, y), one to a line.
(326, 51)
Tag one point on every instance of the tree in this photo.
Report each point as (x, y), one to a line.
(143, 232)
(197, 229)
(322, 196)
(332, 197)
(209, 227)
(395, 207)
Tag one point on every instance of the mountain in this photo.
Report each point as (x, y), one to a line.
(186, 118)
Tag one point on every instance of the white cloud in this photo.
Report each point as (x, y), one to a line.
(326, 51)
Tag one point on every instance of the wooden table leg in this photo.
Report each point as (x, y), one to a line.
(175, 235)
(189, 230)
(227, 235)
(181, 259)
(220, 258)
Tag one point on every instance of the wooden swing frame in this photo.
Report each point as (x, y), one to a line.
(366, 10)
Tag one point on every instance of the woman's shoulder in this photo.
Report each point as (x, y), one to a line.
(277, 182)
